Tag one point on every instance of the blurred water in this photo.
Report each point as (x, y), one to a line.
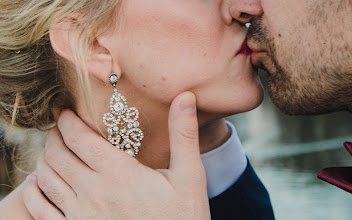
(288, 152)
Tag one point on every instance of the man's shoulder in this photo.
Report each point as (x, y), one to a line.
(245, 199)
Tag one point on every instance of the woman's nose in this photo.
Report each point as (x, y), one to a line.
(241, 10)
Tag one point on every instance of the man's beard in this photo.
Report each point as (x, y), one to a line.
(300, 81)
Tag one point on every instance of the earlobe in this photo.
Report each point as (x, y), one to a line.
(65, 39)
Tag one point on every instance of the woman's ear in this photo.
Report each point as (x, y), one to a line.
(65, 38)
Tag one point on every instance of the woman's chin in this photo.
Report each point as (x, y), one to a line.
(232, 107)
(250, 101)
(254, 100)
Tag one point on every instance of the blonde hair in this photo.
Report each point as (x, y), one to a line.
(32, 82)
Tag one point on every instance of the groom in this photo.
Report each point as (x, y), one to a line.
(306, 46)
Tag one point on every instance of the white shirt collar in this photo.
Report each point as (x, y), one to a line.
(225, 164)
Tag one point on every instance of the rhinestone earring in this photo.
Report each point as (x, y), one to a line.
(122, 122)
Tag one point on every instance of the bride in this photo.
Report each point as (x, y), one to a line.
(76, 55)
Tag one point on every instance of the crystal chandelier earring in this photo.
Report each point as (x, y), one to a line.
(122, 122)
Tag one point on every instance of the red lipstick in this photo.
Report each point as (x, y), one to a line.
(245, 50)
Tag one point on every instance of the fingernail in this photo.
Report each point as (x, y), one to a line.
(188, 104)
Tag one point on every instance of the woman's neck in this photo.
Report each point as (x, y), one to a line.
(213, 135)
(155, 151)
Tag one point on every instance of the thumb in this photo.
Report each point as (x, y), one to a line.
(183, 130)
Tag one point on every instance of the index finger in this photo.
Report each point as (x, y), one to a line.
(89, 146)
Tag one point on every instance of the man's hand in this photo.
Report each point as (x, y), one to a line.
(85, 177)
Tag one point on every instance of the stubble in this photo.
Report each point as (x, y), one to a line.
(311, 71)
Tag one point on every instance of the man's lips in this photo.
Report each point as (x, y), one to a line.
(252, 46)
(256, 53)
(245, 50)
(256, 58)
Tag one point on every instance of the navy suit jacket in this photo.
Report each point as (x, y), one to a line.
(247, 199)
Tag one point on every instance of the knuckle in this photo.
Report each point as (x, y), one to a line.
(57, 197)
(190, 134)
(50, 154)
(97, 151)
(53, 194)
(68, 170)
(43, 182)
(72, 140)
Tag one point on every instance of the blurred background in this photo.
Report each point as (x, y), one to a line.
(287, 153)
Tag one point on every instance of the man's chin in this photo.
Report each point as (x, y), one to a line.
(288, 108)
(291, 105)
(286, 99)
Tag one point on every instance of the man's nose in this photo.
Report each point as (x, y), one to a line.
(241, 10)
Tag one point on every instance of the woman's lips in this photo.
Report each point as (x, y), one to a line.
(245, 50)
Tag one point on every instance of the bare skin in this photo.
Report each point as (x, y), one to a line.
(13, 206)
(322, 82)
(279, 23)
(226, 69)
